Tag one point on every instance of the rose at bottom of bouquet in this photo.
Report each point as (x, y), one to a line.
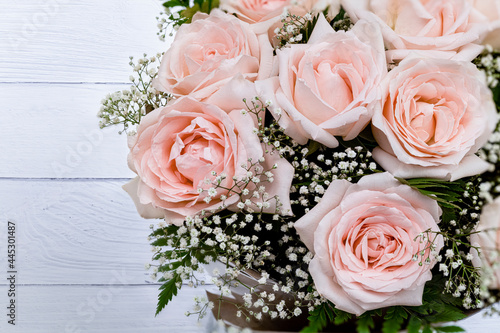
(372, 243)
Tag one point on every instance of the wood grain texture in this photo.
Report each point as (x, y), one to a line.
(101, 309)
(74, 232)
(75, 40)
(52, 131)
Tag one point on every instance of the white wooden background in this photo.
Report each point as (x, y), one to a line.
(81, 245)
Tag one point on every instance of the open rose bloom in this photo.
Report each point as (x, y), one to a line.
(180, 149)
(265, 15)
(435, 115)
(330, 86)
(209, 52)
(364, 238)
(439, 28)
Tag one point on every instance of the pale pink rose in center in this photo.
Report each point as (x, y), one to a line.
(364, 237)
(182, 148)
(207, 53)
(440, 28)
(330, 86)
(435, 115)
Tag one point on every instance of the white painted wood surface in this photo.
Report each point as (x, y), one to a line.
(81, 245)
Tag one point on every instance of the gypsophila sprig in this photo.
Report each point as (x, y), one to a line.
(127, 107)
(489, 63)
(295, 29)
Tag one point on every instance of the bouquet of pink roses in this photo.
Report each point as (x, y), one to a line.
(335, 162)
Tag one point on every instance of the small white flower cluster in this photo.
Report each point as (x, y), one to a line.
(489, 63)
(250, 188)
(168, 22)
(292, 29)
(201, 306)
(463, 279)
(489, 187)
(314, 171)
(128, 106)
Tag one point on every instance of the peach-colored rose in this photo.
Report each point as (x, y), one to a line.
(255, 11)
(363, 239)
(436, 113)
(329, 86)
(265, 15)
(488, 239)
(441, 28)
(209, 52)
(180, 146)
(491, 11)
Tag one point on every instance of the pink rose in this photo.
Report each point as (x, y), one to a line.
(209, 52)
(255, 11)
(265, 15)
(329, 86)
(489, 241)
(491, 11)
(363, 239)
(435, 115)
(440, 28)
(180, 146)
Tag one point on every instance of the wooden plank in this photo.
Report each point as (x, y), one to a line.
(52, 131)
(99, 309)
(74, 232)
(127, 309)
(75, 41)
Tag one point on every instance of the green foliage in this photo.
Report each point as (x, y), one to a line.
(449, 329)
(167, 291)
(319, 318)
(496, 96)
(187, 10)
(394, 319)
(365, 323)
(414, 325)
(308, 28)
(341, 21)
(446, 193)
(341, 317)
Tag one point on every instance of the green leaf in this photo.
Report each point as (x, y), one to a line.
(318, 318)
(448, 329)
(449, 313)
(172, 3)
(394, 319)
(414, 325)
(160, 242)
(391, 326)
(168, 291)
(427, 329)
(341, 317)
(365, 323)
(313, 147)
